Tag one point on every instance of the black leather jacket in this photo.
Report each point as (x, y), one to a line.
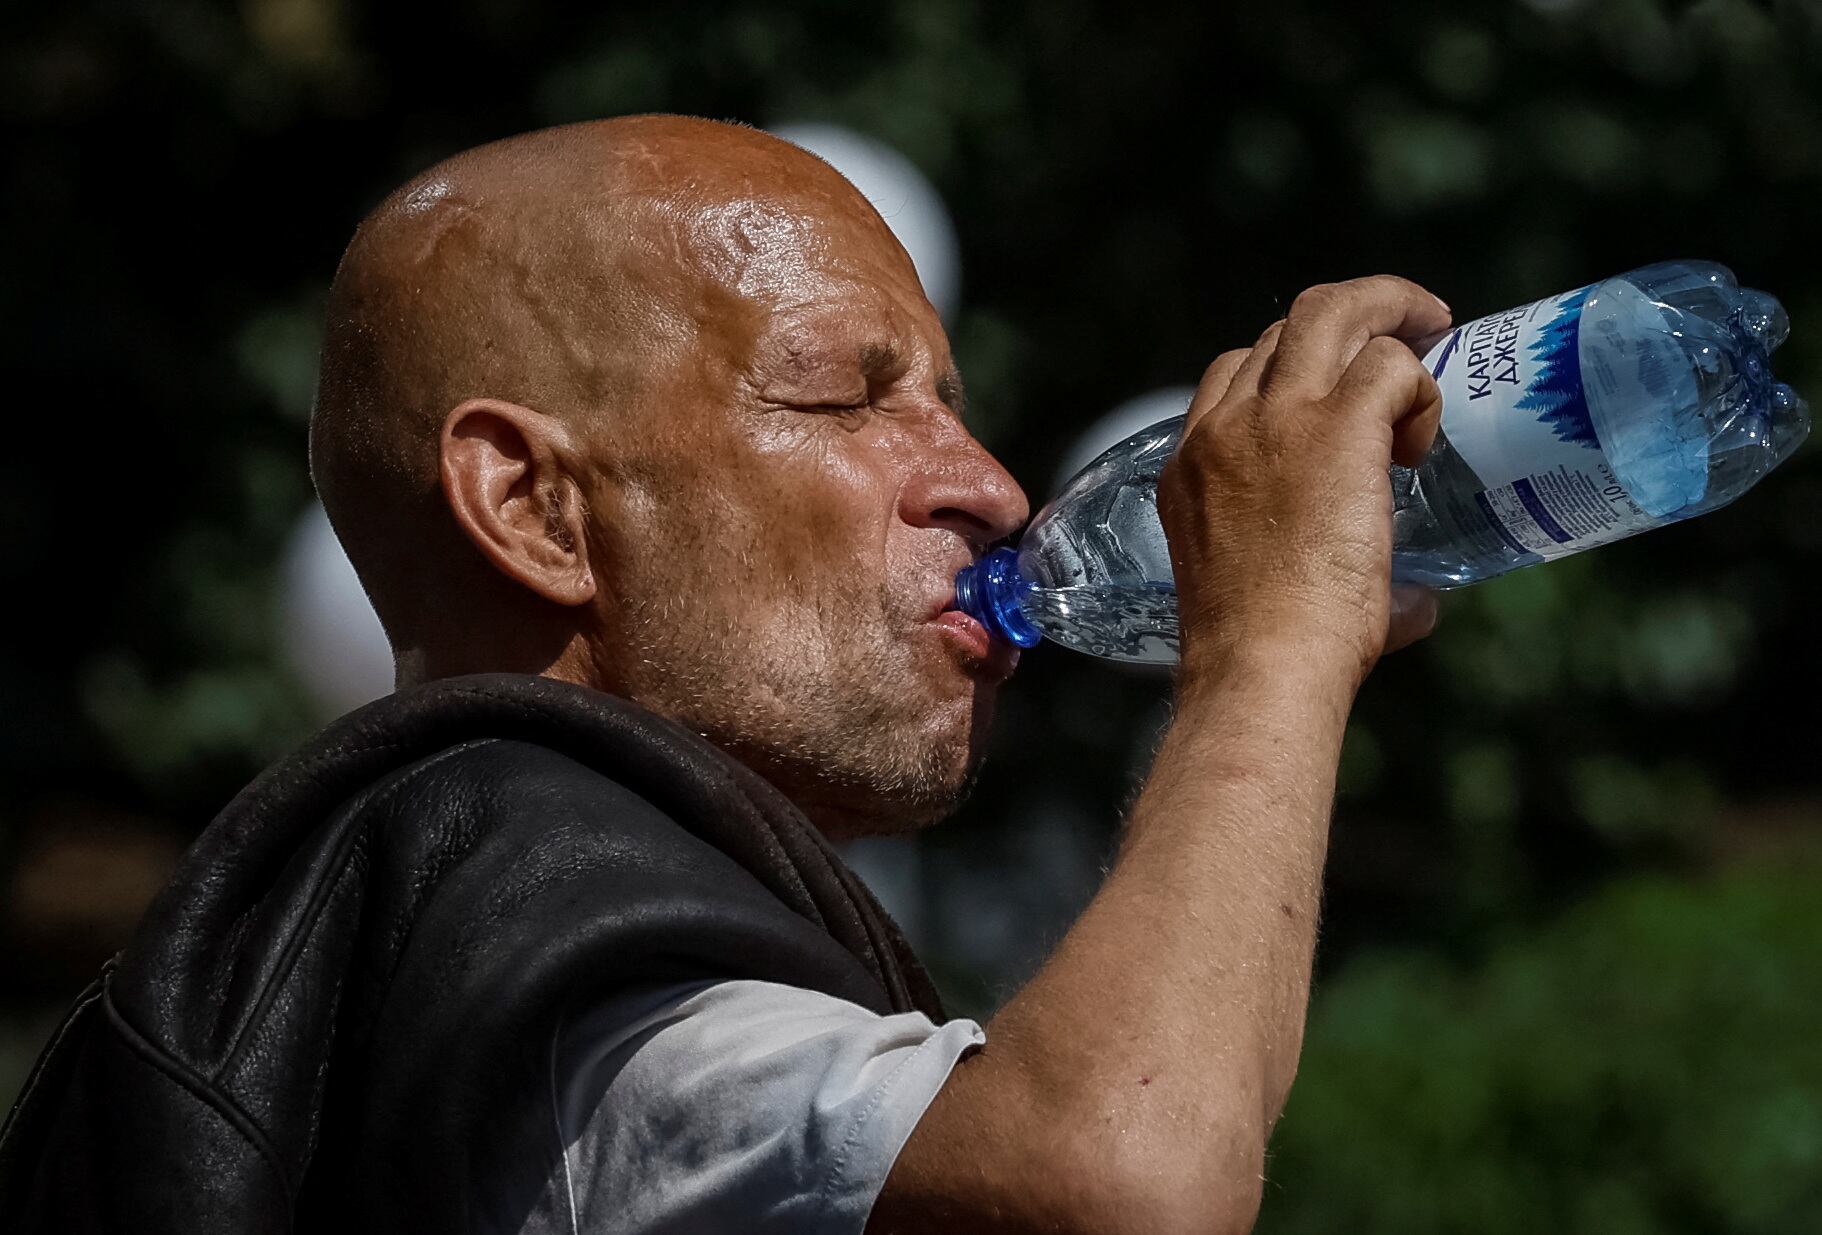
(336, 1015)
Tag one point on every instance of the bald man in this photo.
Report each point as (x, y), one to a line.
(654, 414)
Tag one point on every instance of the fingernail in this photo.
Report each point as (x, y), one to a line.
(1445, 304)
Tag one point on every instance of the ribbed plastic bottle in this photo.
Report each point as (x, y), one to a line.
(1567, 423)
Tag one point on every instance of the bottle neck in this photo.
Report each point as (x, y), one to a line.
(989, 591)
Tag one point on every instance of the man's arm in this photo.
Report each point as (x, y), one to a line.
(1131, 1086)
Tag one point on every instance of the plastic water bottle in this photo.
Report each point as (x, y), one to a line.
(1567, 423)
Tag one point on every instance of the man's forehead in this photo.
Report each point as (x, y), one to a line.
(776, 245)
(815, 281)
(798, 276)
(755, 248)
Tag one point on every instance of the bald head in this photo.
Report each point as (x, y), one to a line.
(659, 406)
(549, 271)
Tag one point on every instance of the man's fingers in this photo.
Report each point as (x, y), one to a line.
(1213, 386)
(1329, 324)
(1387, 381)
(1259, 360)
(1239, 368)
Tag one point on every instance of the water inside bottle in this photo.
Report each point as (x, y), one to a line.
(1121, 623)
(1675, 390)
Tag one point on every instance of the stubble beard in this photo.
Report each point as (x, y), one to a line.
(835, 712)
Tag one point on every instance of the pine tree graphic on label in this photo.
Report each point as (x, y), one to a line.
(1555, 392)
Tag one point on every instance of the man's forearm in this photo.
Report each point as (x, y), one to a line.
(1176, 1004)
(1156, 1046)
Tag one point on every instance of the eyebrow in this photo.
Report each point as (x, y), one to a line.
(880, 359)
(949, 390)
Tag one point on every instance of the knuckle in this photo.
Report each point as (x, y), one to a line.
(1316, 299)
(1391, 285)
(1223, 363)
(1389, 362)
(1392, 353)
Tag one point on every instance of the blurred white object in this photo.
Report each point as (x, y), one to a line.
(331, 635)
(903, 197)
(1119, 424)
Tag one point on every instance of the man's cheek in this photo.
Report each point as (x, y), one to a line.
(835, 522)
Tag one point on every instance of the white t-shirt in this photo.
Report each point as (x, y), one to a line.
(734, 1106)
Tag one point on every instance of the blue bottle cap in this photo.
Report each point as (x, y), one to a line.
(988, 592)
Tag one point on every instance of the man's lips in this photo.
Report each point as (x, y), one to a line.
(995, 657)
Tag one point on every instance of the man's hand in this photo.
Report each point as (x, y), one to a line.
(1277, 504)
(1130, 1087)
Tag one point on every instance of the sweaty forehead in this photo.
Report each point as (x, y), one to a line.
(796, 248)
(812, 278)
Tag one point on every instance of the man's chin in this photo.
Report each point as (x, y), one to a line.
(897, 757)
(849, 812)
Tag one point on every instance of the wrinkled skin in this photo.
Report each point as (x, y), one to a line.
(754, 410)
(782, 531)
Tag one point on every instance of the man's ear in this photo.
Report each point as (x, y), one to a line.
(503, 477)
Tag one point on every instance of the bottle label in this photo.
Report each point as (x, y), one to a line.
(1515, 411)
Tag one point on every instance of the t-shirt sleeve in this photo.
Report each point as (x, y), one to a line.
(735, 1106)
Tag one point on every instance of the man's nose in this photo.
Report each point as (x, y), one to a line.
(968, 493)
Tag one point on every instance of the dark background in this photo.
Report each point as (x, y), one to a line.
(1571, 971)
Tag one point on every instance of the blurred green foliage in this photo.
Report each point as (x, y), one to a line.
(1646, 1064)
(1538, 1013)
